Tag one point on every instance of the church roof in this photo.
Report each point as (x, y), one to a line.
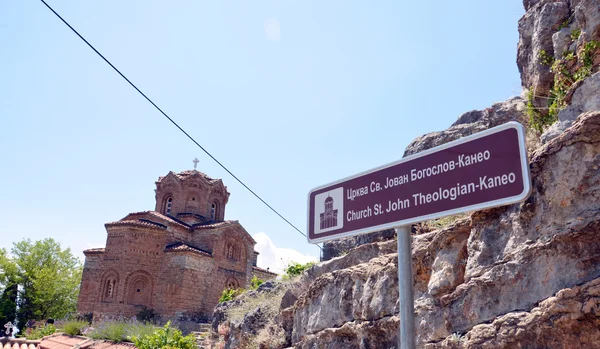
(94, 250)
(62, 341)
(18, 343)
(264, 271)
(133, 217)
(138, 222)
(182, 247)
(212, 224)
(187, 174)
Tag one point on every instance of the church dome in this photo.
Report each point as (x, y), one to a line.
(328, 200)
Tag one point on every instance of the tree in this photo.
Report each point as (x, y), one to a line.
(48, 280)
(8, 289)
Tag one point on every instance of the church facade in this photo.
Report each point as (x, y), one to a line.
(176, 259)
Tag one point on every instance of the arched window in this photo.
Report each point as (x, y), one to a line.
(139, 289)
(168, 205)
(232, 283)
(213, 211)
(233, 251)
(109, 286)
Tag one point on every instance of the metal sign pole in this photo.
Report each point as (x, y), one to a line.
(405, 287)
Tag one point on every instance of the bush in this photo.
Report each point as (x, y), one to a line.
(255, 282)
(74, 328)
(295, 269)
(165, 337)
(37, 333)
(148, 315)
(119, 331)
(112, 331)
(230, 294)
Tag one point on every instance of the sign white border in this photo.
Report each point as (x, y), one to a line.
(489, 204)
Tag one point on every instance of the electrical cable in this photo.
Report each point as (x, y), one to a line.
(173, 122)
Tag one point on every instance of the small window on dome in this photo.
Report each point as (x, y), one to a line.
(213, 210)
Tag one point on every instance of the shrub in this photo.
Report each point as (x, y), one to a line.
(295, 269)
(140, 330)
(119, 331)
(230, 294)
(165, 337)
(255, 282)
(148, 315)
(74, 328)
(37, 333)
(114, 331)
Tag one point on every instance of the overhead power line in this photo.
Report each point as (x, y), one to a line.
(172, 121)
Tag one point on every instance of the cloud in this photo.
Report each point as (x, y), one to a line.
(273, 29)
(276, 258)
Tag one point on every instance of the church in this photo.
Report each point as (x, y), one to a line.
(176, 259)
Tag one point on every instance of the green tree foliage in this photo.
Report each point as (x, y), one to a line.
(8, 288)
(44, 277)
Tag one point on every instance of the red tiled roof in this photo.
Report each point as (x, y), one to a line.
(111, 345)
(135, 223)
(181, 247)
(18, 343)
(62, 341)
(160, 216)
(213, 225)
(264, 271)
(94, 250)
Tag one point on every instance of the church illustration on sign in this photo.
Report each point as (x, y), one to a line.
(328, 211)
(176, 259)
(329, 218)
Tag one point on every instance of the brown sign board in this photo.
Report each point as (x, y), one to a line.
(484, 170)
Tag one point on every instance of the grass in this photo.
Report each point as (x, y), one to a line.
(445, 221)
(268, 302)
(456, 337)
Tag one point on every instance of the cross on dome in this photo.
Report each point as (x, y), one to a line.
(195, 161)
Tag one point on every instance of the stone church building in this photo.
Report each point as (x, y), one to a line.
(176, 259)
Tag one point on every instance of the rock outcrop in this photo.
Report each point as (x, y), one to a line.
(479, 282)
(470, 123)
(525, 275)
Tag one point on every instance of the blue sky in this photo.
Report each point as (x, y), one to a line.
(288, 94)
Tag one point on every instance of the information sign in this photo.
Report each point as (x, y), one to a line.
(480, 171)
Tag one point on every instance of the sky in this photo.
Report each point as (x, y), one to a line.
(289, 95)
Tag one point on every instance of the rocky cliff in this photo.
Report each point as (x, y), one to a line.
(520, 276)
